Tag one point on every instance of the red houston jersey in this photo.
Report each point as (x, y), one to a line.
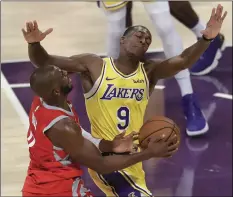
(51, 169)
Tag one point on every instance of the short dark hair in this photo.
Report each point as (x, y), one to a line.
(132, 29)
(41, 80)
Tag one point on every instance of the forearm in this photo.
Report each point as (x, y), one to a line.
(88, 155)
(101, 144)
(118, 162)
(193, 53)
(186, 59)
(38, 55)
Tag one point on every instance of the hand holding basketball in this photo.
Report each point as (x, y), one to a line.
(161, 135)
(161, 148)
(33, 34)
(215, 23)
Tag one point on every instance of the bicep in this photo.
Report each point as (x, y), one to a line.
(67, 135)
(169, 67)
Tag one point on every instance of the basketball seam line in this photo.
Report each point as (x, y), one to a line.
(169, 135)
(156, 131)
(155, 121)
(174, 126)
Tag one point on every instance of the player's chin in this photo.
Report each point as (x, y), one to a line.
(138, 54)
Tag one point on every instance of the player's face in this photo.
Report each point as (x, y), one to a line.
(138, 43)
(66, 86)
(64, 82)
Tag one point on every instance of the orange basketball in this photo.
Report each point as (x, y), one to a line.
(157, 126)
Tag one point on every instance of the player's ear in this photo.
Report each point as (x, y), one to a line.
(122, 39)
(56, 92)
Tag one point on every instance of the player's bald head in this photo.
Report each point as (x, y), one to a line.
(51, 83)
(43, 80)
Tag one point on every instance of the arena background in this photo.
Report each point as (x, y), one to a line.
(201, 167)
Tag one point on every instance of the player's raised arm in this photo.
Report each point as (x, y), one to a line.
(190, 55)
(40, 57)
(67, 135)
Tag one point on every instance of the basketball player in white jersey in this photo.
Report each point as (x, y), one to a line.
(184, 12)
(161, 18)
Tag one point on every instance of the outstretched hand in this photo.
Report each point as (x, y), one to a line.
(122, 143)
(214, 25)
(33, 34)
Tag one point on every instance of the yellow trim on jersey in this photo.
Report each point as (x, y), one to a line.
(114, 5)
(97, 84)
(147, 80)
(122, 74)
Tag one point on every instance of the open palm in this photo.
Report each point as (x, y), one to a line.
(33, 34)
(214, 25)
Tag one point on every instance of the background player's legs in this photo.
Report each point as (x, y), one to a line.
(183, 11)
(172, 44)
(129, 18)
(116, 21)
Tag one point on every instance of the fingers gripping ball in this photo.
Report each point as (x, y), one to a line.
(157, 127)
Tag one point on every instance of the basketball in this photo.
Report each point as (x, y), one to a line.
(156, 127)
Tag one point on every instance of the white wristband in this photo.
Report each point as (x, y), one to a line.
(89, 137)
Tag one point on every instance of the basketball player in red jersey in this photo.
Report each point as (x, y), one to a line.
(57, 147)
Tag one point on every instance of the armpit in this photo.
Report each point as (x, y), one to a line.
(150, 67)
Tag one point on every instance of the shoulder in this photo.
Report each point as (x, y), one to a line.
(150, 65)
(62, 129)
(66, 125)
(64, 133)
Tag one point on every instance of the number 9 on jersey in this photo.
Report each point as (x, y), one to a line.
(123, 116)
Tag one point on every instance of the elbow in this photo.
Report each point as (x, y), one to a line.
(40, 62)
(104, 168)
(103, 171)
(185, 62)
